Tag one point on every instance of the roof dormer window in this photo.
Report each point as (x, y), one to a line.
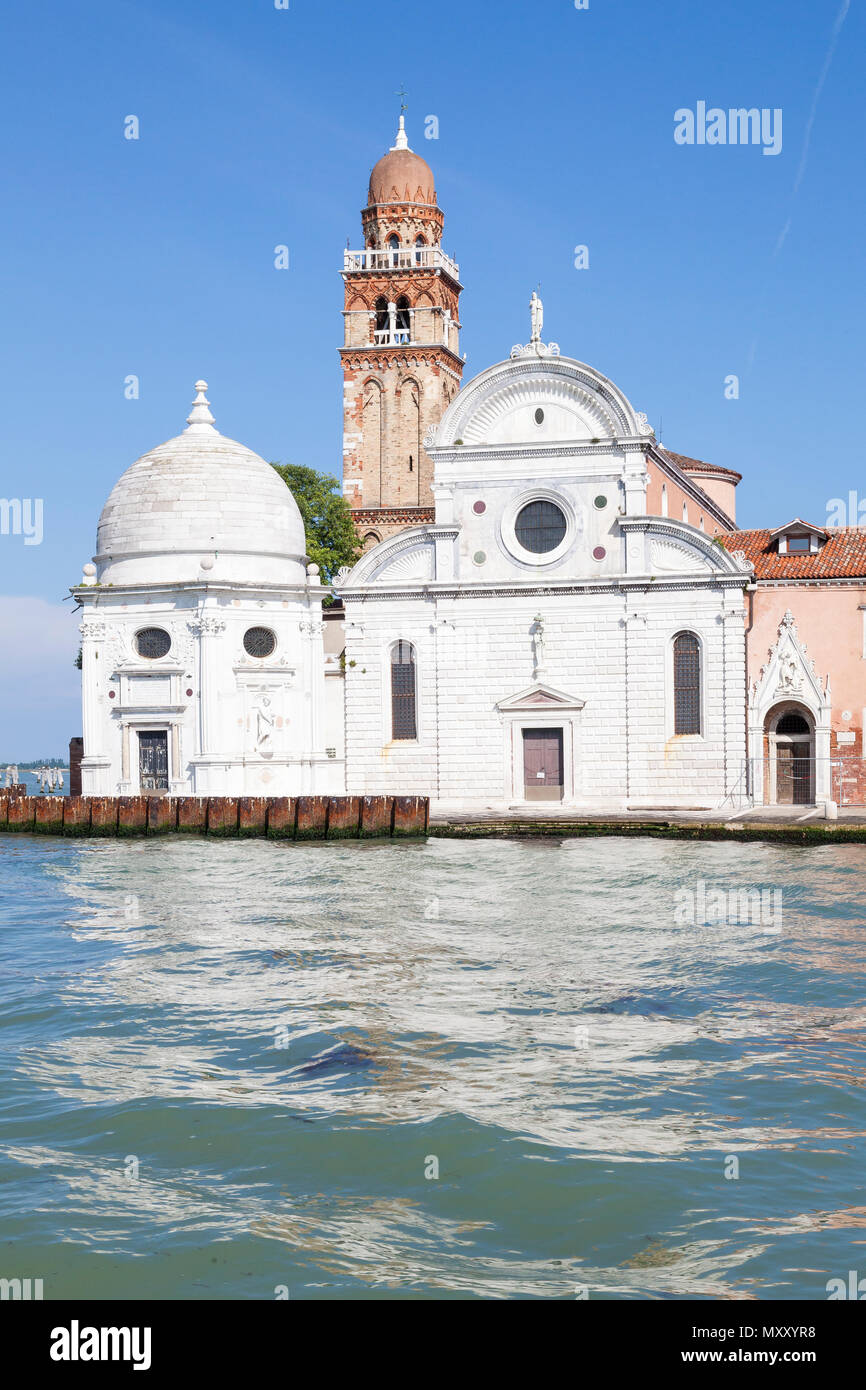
(798, 538)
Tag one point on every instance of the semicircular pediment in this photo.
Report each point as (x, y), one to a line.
(569, 412)
(410, 565)
(500, 407)
(669, 558)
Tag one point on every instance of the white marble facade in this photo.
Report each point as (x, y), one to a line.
(204, 667)
(572, 642)
(203, 670)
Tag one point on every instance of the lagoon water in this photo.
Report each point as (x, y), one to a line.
(231, 1070)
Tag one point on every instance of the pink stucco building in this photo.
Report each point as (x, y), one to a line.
(806, 662)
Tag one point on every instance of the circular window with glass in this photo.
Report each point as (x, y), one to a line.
(540, 527)
(152, 642)
(259, 641)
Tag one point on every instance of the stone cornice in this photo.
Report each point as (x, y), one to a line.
(88, 592)
(371, 358)
(481, 453)
(412, 275)
(641, 584)
(391, 515)
(827, 581)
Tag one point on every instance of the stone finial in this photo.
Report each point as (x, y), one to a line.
(200, 418)
(402, 141)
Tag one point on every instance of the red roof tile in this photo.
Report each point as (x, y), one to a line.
(698, 466)
(842, 556)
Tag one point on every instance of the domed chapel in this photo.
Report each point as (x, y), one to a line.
(202, 661)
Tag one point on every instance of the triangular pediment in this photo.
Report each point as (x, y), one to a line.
(789, 674)
(540, 696)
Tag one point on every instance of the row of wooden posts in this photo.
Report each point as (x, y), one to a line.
(272, 817)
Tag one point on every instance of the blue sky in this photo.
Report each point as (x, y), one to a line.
(259, 126)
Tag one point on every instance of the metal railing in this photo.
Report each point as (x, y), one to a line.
(801, 781)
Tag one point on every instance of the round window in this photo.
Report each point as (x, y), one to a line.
(152, 642)
(259, 641)
(600, 502)
(540, 527)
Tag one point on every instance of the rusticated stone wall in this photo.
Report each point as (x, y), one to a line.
(271, 817)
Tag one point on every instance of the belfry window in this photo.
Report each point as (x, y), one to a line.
(403, 720)
(687, 684)
(381, 315)
(402, 321)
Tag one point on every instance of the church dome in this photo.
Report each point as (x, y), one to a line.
(401, 175)
(200, 507)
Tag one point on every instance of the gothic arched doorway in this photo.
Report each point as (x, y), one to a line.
(789, 756)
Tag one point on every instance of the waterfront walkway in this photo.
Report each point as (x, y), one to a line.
(805, 823)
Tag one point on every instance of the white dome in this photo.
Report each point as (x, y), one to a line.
(200, 497)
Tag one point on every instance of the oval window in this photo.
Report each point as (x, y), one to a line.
(540, 527)
(539, 416)
(259, 641)
(152, 642)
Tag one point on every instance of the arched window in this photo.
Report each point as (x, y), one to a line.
(403, 722)
(402, 321)
(793, 724)
(394, 248)
(381, 314)
(419, 254)
(687, 684)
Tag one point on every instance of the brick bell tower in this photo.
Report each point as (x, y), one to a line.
(401, 359)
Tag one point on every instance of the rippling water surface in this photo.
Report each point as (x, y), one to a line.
(287, 1040)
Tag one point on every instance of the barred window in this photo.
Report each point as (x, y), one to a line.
(687, 684)
(403, 722)
(259, 641)
(152, 642)
(540, 527)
